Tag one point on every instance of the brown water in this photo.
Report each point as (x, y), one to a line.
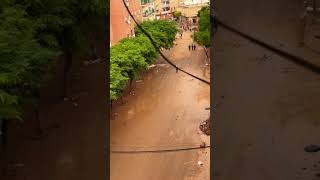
(164, 112)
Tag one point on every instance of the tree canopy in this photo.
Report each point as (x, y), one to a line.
(202, 37)
(177, 14)
(131, 55)
(33, 34)
(163, 32)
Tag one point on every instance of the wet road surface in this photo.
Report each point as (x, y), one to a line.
(163, 111)
(270, 110)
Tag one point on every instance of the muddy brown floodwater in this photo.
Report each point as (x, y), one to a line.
(270, 110)
(163, 111)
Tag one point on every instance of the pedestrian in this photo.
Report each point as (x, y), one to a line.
(181, 35)
(194, 47)
(189, 47)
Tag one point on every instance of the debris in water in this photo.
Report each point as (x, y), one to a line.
(138, 81)
(162, 65)
(200, 163)
(151, 66)
(205, 126)
(312, 148)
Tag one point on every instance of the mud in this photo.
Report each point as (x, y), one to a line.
(164, 112)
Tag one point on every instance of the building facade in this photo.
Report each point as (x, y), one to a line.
(165, 8)
(189, 9)
(148, 9)
(121, 24)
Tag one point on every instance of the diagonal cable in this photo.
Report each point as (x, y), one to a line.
(292, 58)
(160, 150)
(157, 48)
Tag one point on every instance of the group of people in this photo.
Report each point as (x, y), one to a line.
(192, 47)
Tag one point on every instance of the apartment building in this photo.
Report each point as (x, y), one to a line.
(121, 24)
(189, 9)
(165, 8)
(148, 9)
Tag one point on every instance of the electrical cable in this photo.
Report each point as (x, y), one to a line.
(157, 48)
(292, 58)
(160, 150)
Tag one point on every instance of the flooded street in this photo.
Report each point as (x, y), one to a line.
(269, 108)
(163, 111)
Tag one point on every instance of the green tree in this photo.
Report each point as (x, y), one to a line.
(202, 37)
(33, 34)
(23, 61)
(70, 25)
(118, 80)
(163, 32)
(132, 55)
(177, 14)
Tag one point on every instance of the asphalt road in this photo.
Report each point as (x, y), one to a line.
(269, 107)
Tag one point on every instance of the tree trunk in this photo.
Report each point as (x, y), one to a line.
(67, 68)
(131, 83)
(205, 50)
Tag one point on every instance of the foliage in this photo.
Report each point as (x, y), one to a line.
(202, 37)
(177, 14)
(33, 34)
(163, 32)
(23, 61)
(127, 59)
(117, 81)
(131, 55)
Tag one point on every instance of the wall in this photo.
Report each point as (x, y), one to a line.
(121, 24)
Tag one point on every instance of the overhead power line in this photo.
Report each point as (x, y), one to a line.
(157, 48)
(292, 58)
(160, 150)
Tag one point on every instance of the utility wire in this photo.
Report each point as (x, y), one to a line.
(292, 58)
(157, 48)
(160, 150)
(177, 68)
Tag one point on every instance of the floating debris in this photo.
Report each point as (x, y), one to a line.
(312, 148)
(205, 127)
(151, 66)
